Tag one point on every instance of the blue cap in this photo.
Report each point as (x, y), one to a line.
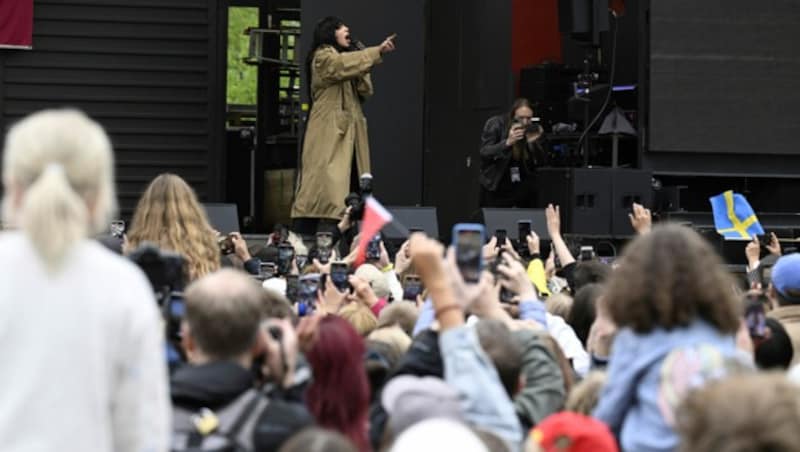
(786, 276)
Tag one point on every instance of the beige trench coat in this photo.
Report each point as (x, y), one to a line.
(336, 128)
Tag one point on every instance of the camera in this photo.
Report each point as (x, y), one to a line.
(117, 229)
(356, 200)
(164, 269)
(165, 272)
(226, 246)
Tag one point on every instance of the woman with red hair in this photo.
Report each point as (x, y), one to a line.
(339, 395)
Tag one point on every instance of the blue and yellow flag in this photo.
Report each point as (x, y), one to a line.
(733, 216)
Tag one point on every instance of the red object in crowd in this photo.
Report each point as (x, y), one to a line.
(573, 432)
(375, 218)
(16, 24)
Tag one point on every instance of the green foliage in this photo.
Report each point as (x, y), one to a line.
(242, 78)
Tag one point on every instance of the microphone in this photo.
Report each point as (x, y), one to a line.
(355, 44)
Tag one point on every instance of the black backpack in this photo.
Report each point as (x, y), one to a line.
(229, 429)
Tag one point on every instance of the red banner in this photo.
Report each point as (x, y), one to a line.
(16, 24)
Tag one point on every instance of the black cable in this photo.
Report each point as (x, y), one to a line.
(610, 87)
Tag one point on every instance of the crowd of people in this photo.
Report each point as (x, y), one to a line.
(270, 347)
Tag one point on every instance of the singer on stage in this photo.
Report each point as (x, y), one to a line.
(338, 67)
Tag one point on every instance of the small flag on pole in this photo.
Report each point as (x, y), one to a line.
(375, 218)
(733, 216)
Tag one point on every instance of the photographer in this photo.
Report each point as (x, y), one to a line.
(510, 153)
(222, 334)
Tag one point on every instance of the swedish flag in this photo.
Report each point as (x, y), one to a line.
(733, 216)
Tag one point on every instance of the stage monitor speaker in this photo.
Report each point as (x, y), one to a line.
(583, 194)
(508, 219)
(594, 201)
(628, 187)
(424, 218)
(223, 217)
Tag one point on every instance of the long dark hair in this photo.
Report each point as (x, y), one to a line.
(520, 150)
(324, 35)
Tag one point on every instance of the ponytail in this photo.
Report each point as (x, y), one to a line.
(53, 216)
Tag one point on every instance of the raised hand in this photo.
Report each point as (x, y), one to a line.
(641, 219)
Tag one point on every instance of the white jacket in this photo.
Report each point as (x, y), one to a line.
(82, 353)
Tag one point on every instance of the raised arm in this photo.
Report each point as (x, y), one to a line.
(333, 67)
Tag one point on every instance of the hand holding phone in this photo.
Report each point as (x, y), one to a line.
(339, 272)
(468, 242)
(412, 287)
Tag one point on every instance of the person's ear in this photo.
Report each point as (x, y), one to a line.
(187, 341)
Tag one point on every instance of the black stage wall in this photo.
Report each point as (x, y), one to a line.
(151, 73)
(395, 112)
(468, 79)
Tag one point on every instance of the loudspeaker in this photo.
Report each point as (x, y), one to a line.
(628, 187)
(424, 218)
(223, 217)
(507, 219)
(594, 201)
(584, 197)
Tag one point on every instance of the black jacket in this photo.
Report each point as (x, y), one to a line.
(495, 155)
(209, 386)
(217, 384)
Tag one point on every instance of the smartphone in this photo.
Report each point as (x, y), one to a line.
(285, 257)
(587, 253)
(339, 272)
(324, 246)
(468, 240)
(117, 228)
(524, 228)
(308, 286)
(292, 287)
(226, 245)
(302, 261)
(755, 316)
(412, 287)
(268, 270)
(501, 235)
(374, 248)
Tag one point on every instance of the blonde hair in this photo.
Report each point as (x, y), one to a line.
(360, 317)
(58, 173)
(584, 396)
(392, 336)
(559, 304)
(169, 216)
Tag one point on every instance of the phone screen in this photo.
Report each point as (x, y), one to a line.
(374, 248)
(324, 245)
(501, 236)
(339, 276)
(469, 249)
(117, 228)
(324, 240)
(756, 318)
(285, 256)
(308, 287)
(292, 287)
(412, 287)
(524, 231)
(302, 261)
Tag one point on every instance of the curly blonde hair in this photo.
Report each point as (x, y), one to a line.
(169, 215)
